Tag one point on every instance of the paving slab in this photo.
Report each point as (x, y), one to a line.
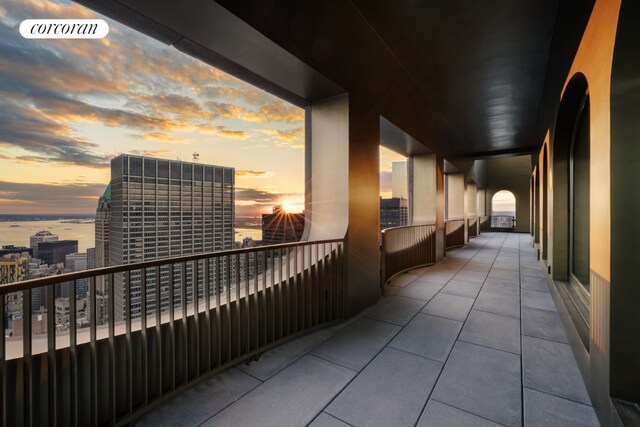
(492, 330)
(391, 391)
(452, 307)
(428, 336)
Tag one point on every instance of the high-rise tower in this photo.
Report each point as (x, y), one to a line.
(162, 208)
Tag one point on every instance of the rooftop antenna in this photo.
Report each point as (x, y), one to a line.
(196, 157)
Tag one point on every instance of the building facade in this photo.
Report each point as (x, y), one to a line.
(102, 223)
(394, 212)
(54, 252)
(162, 208)
(399, 182)
(40, 237)
(282, 227)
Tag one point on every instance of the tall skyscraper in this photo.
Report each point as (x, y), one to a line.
(394, 212)
(281, 227)
(102, 224)
(399, 186)
(162, 208)
(40, 237)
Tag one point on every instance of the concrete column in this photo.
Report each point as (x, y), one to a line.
(342, 192)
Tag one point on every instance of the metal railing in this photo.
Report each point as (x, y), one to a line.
(196, 316)
(472, 226)
(503, 222)
(407, 247)
(454, 233)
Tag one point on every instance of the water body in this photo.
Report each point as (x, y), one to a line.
(18, 233)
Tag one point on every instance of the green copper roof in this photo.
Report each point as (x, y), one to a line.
(107, 193)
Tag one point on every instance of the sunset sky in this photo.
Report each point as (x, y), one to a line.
(68, 106)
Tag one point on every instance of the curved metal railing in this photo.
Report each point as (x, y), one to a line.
(160, 326)
(454, 233)
(407, 247)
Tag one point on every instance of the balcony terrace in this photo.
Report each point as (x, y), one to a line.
(474, 340)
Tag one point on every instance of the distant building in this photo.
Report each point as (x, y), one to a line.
(77, 262)
(282, 227)
(91, 258)
(14, 268)
(41, 237)
(54, 252)
(11, 249)
(102, 224)
(394, 212)
(399, 186)
(163, 208)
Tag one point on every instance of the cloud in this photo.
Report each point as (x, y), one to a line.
(228, 133)
(161, 137)
(256, 174)
(153, 153)
(42, 198)
(279, 111)
(262, 197)
(292, 138)
(247, 93)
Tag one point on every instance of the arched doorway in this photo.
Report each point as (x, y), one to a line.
(579, 176)
(503, 210)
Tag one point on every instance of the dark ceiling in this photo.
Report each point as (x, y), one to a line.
(466, 78)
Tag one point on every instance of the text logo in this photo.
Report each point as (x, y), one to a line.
(64, 29)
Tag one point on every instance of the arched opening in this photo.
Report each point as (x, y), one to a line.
(571, 186)
(579, 201)
(503, 210)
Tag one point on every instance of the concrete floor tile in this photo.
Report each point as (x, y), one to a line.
(541, 409)
(273, 361)
(202, 401)
(539, 300)
(534, 284)
(496, 273)
(450, 306)
(391, 391)
(397, 310)
(499, 286)
(358, 343)
(428, 336)
(288, 399)
(499, 303)
(326, 420)
(551, 368)
(492, 330)
(543, 324)
(482, 381)
(438, 414)
(470, 276)
(421, 290)
(462, 288)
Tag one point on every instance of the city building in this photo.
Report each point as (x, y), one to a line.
(162, 208)
(399, 187)
(12, 249)
(55, 251)
(14, 268)
(77, 262)
(40, 237)
(91, 258)
(102, 224)
(281, 226)
(394, 212)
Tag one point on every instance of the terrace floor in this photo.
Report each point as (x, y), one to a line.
(473, 341)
